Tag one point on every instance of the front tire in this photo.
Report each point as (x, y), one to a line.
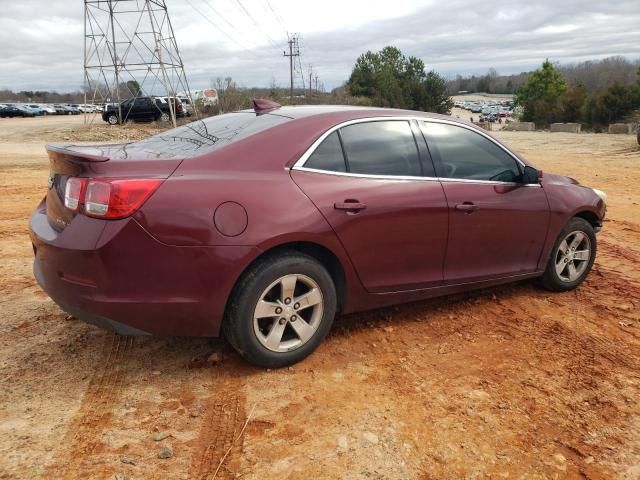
(281, 310)
(112, 119)
(572, 256)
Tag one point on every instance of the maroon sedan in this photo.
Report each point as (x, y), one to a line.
(261, 224)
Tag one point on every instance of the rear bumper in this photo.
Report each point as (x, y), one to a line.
(97, 320)
(117, 276)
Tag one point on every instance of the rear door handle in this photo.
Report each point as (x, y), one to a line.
(350, 205)
(467, 207)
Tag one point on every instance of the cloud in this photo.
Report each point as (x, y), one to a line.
(41, 41)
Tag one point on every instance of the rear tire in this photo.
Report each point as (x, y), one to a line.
(572, 256)
(164, 117)
(281, 310)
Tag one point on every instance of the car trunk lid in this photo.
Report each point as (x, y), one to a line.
(98, 161)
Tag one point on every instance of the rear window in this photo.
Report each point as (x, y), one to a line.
(209, 134)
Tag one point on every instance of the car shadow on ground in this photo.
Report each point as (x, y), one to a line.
(409, 312)
(180, 355)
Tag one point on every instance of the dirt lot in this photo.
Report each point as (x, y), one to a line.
(511, 382)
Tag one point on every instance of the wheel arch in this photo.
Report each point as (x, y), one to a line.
(590, 217)
(327, 258)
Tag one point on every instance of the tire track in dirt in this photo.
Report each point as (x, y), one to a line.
(84, 435)
(221, 427)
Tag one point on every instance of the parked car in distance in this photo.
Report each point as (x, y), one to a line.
(262, 224)
(488, 117)
(47, 109)
(66, 110)
(81, 108)
(178, 106)
(35, 109)
(142, 109)
(188, 106)
(15, 111)
(60, 110)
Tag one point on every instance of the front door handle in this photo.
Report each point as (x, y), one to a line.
(350, 205)
(467, 207)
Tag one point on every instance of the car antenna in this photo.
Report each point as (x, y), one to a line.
(261, 105)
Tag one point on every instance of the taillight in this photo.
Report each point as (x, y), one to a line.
(73, 191)
(96, 201)
(111, 198)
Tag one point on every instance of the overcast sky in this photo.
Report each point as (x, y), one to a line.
(41, 41)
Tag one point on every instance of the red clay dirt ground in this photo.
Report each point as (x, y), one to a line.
(511, 382)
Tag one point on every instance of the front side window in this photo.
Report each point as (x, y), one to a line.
(464, 154)
(381, 148)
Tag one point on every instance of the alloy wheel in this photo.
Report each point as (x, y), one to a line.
(572, 256)
(288, 313)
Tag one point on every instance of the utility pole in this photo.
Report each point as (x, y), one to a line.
(316, 82)
(294, 51)
(310, 81)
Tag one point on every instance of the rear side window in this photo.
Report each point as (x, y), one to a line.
(328, 156)
(464, 154)
(210, 134)
(381, 148)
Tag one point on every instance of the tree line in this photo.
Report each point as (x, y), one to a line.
(594, 75)
(390, 79)
(548, 96)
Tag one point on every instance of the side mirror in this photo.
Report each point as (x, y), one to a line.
(531, 175)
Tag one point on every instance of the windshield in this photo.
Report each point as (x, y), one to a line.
(209, 134)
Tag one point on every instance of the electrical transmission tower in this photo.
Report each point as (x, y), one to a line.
(294, 51)
(130, 50)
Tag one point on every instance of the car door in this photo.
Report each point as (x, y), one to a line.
(497, 225)
(127, 109)
(382, 201)
(143, 109)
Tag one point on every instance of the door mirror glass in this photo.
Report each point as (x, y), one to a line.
(530, 175)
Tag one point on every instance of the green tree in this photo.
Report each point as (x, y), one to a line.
(134, 88)
(389, 79)
(540, 97)
(610, 106)
(572, 103)
(431, 95)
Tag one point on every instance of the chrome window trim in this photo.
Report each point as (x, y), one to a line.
(366, 175)
(410, 178)
(299, 165)
(305, 156)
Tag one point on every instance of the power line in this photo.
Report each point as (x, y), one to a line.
(304, 87)
(220, 30)
(222, 17)
(209, 4)
(242, 7)
(276, 16)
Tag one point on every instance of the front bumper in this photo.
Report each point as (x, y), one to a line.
(116, 275)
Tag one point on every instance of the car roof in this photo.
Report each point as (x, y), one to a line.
(303, 111)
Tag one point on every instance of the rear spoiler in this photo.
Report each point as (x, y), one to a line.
(78, 153)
